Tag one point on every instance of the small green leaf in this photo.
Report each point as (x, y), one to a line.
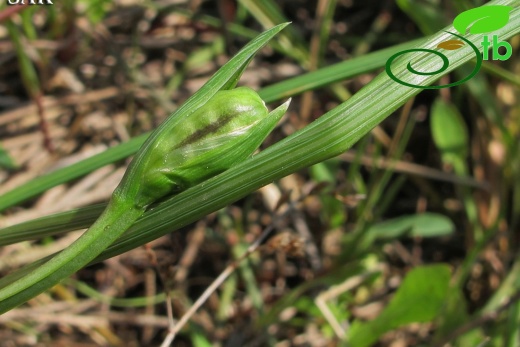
(95, 10)
(27, 70)
(6, 162)
(199, 339)
(418, 225)
(449, 130)
(482, 19)
(420, 298)
(333, 211)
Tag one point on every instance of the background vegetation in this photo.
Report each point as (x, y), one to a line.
(410, 238)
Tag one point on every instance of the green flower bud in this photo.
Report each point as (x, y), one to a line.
(223, 132)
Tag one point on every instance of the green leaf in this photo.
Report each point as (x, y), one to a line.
(6, 162)
(199, 340)
(426, 14)
(449, 130)
(268, 13)
(45, 182)
(419, 299)
(96, 10)
(418, 225)
(39, 228)
(332, 211)
(484, 19)
(27, 70)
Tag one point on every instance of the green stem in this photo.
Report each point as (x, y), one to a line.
(115, 220)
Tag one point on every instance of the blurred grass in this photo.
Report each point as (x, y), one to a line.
(276, 292)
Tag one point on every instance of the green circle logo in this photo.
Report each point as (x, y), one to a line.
(452, 44)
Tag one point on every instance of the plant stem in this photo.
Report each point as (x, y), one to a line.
(115, 220)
